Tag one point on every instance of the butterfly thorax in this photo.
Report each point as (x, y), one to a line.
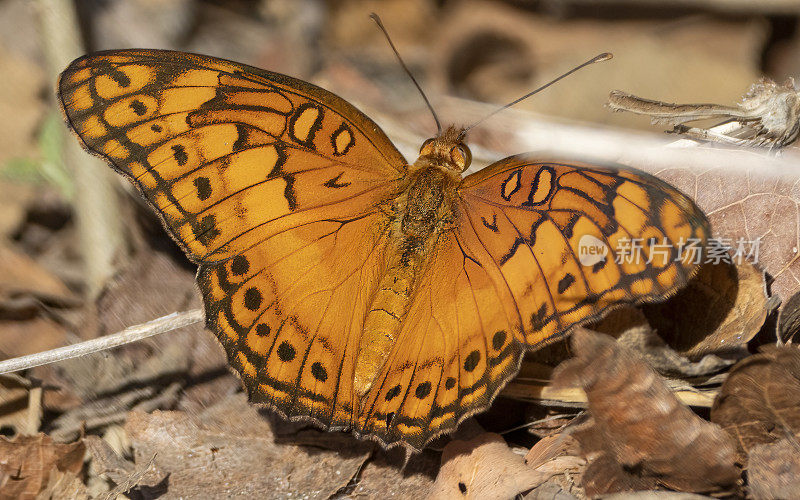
(421, 213)
(426, 207)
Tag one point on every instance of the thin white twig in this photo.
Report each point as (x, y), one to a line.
(131, 334)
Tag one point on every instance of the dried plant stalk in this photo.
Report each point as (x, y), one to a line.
(767, 116)
(131, 334)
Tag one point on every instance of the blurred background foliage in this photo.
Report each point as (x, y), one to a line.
(488, 50)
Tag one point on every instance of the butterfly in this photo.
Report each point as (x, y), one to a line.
(347, 286)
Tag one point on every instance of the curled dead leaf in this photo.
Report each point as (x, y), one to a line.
(483, 467)
(760, 400)
(640, 435)
(551, 447)
(631, 328)
(27, 462)
(718, 312)
(559, 455)
(789, 319)
(60, 485)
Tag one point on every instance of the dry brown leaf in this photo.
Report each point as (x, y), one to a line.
(24, 288)
(667, 361)
(393, 475)
(130, 481)
(718, 312)
(749, 202)
(186, 370)
(22, 276)
(549, 490)
(63, 485)
(560, 455)
(551, 447)
(23, 337)
(789, 319)
(152, 286)
(640, 435)
(106, 461)
(26, 462)
(230, 451)
(483, 467)
(631, 328)
(773, 469)
(760, 400)
(655, 495)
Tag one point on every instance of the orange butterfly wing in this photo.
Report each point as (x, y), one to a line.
(277, 188)
(529, 214)
(508, 278)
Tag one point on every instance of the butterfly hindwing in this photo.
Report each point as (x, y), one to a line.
(451, 356)
(289, 313)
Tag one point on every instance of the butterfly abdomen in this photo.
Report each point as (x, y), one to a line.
(422, 212)
(383, 321)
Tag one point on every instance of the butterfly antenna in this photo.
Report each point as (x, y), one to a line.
(378, 21)
(605, 56)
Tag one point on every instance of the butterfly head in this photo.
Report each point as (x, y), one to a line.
(447, 149)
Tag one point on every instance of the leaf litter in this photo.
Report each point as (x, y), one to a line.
(26, 464)
(174, 422)
(188, 430)
(640, 436)
(229, 451)
(759, 403)
(484, 467)
(208, 445)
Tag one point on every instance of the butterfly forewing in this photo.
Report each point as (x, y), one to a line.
(226, 153)
(535, 220)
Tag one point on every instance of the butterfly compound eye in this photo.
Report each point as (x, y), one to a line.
(461, 156)
(425, 148)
